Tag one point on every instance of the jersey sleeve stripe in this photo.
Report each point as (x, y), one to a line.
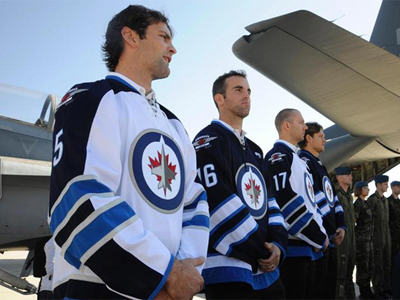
(339, 209)
(199, 221)
(96, 227)
(193, 204)
(222, 204)
(301, 222)
(223, 220)
(236, 235)
(276, 219)
(76, 192)
(292, 206)
(319, 197)
(230, 207)
(324, 208)
(272, 204)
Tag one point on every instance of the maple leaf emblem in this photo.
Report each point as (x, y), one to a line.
(310, 188)
(329, 191)
(163, 169)
(253, 190)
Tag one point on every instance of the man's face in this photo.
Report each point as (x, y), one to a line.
(382, 186)
(156, 51)
(395, 189)
(317, 142)
(345, 179)
(237, 100)
(297, 126)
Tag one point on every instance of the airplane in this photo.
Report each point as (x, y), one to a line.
(353, 82)
(25, 154)
(319, 62)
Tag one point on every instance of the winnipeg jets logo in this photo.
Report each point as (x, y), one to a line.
(251, 189)
(157, 170)
(328, 190)
(309, 188)
(276, 157)
(164, 171)
(203, 141)
(69, 95)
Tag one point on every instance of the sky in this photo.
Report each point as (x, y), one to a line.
(50, 45)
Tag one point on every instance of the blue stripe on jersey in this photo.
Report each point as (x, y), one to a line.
(292, 206)
(96, 230)
(237, 274)
(119, 79)
(298, 225)
(162, 282)
(226, 219)
(222, 203)
(202, 196)
(199, 220)
(295, 251)
(319, 197)
(75, 191)
(276, 219)
(244, 233)
(339, 209)
(283, 251)
(272, 204)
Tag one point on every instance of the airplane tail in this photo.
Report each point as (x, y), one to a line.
(386, 33)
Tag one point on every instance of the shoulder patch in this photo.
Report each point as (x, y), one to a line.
(276, 157)
(203, 141)
(305, 159)
(70, 94)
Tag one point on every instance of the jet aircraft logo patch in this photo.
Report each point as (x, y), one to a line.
(203, 141)
(328, 190)
(157, 170)
(277, 156)
(252, 190)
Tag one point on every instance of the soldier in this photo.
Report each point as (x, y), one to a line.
(346, 251)
(364, 217)
(382, 241)
(394, 219)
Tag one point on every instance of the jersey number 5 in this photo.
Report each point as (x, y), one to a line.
(58, 148)
(210, 178)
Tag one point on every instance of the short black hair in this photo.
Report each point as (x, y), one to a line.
(137, 18)
(282, 116)
(219, 86)
(313, 128)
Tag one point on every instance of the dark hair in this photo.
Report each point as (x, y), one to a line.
(137, 18)
(282, 116)
(219, 86)
(313, 127)
(357, 191)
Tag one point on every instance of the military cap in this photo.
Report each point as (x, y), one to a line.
(343, 171)
(361, 184)
(381, 178)
(395, 183)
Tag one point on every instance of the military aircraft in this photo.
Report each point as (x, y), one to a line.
(25, 154)
(353, 82)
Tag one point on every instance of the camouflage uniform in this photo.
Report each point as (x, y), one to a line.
(382, 243)
(394, 224)
(364, 248)
(346, 253)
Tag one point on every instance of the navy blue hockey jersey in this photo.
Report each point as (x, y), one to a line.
(325, 195)
(242, 215)
(292, 187)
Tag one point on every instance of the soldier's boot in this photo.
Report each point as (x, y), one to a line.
(365, 292)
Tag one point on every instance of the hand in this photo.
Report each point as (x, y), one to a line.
(163, 295)
(337, 239)
(270, 264)
(184, 281)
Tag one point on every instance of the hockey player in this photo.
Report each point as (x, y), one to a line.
(293, 189)
(332, 212)
(247, 233)
(128, 218)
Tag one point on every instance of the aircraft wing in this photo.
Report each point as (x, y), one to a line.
(329, 68)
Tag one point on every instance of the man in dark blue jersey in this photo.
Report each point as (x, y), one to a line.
(247, 233)
(128, 218)
(292, 187)
(324, 285)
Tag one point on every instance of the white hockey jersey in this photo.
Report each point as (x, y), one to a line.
(124, 202)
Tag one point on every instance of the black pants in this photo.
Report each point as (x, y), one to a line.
(241, 290)
(295, 275)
